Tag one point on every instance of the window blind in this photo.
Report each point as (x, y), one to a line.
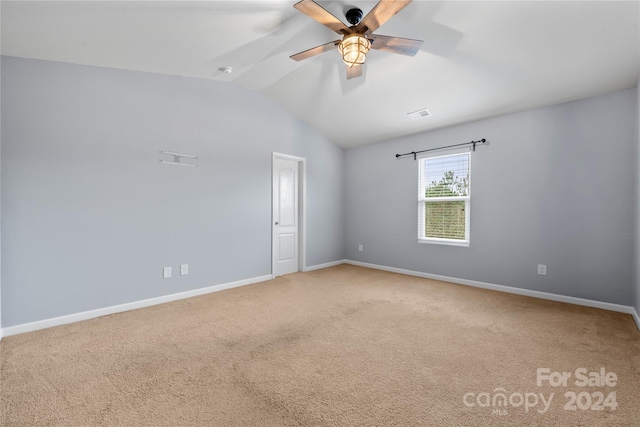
(443, 199)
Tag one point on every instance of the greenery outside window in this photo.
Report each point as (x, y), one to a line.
(444, 194)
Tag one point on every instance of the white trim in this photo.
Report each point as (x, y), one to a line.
(325, 265)
(507, 289)
(302, 170)
(92, 314)
(443, 152)
(436, 241)
(444, 199)
(302, 206)
(636, 317)
(422, 199)
(284, 156)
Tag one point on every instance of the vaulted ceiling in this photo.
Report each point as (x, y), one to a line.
(479, 59)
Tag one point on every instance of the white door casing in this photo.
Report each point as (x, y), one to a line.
(286, 216)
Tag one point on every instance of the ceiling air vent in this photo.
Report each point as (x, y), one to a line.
(420, 114)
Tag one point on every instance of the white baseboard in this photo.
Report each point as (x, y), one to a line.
(325, 265)
(91, 314)
(636, 317)
(508, 289)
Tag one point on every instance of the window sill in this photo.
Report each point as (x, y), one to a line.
(446, 242)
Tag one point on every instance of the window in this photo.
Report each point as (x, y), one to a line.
(443, 199)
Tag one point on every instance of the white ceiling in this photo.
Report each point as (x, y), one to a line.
(479, 59)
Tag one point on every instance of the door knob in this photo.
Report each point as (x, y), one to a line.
(276, 223)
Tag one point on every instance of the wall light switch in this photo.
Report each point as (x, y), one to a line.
(360, 248)
(166, 272)
(184, 269)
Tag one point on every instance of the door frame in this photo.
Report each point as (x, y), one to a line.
(302, 211)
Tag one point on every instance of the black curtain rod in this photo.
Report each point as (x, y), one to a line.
(415, 153)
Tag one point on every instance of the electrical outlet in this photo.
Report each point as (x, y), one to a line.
(360, 248)
(184, 269)
(166, 272)
(542, 269)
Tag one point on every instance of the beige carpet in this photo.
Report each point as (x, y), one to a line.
(345, 346)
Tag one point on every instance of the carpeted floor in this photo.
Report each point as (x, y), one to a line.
(344, 346)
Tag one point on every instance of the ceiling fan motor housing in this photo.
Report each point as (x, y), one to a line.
(356, 39)
(354, 16)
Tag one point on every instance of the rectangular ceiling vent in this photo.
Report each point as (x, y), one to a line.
(420, 114)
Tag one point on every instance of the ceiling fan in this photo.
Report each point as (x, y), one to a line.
(358, 38)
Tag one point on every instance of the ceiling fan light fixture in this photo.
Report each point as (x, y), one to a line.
(353, 49)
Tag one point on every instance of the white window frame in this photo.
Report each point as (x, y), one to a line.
(422, 199)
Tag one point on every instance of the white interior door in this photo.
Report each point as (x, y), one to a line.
(285, 216)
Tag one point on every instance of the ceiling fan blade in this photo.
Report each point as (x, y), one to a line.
(395, 44)
(381, 13)
(354, 71)
(315, 50)
(317, 12)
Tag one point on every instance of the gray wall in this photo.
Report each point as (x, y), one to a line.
(636, 303)
(90, 216)
(1, 199)
(554, 187)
